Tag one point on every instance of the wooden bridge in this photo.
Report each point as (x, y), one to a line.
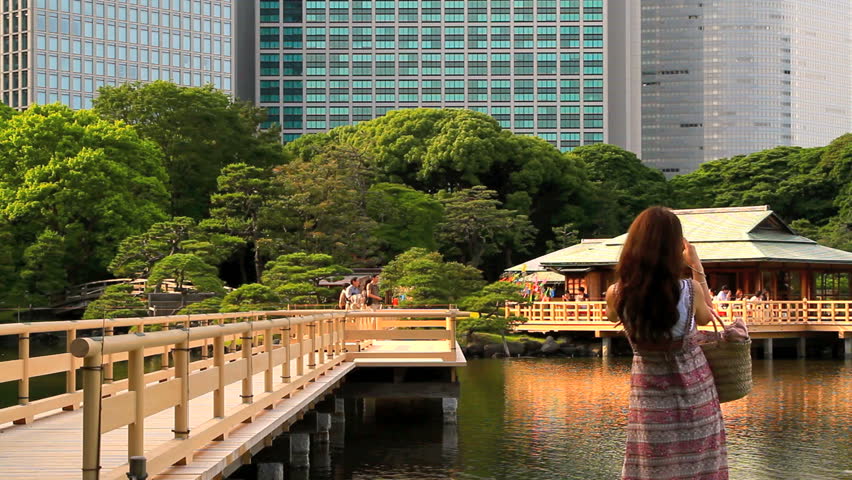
(228, 384)
(766, 320)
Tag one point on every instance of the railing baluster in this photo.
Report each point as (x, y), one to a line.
(286, 339)
(108, 368)
(24, 382)
(181, 356)
(312, 335)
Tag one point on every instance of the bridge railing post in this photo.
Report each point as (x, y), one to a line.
(300, 340)
(136, 384)
(267, 348)
(219, 363)
(247, 348)
(108, 368)
(181, 356)
(24, 382)
(286, 339)
(92, 378)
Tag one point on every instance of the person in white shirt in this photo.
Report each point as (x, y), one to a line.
(724, 294)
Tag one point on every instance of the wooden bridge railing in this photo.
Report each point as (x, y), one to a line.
(302, 343)
(772, 312)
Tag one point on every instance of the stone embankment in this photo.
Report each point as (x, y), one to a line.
(481, 346)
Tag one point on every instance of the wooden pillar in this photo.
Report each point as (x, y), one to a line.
(181, 356)
(108, 367)
(300, 359)
(312, 335)
(267, 347)
(247, 358)
(847, 347)
(286, 338)
(91, 416)
(801, 348)
(606, 346)
(24, 357)
(136, 384)
(219, 363)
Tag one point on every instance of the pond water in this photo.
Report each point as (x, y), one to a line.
(537, 419)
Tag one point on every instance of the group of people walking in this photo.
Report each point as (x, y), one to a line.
(725, 295)
(360, 294)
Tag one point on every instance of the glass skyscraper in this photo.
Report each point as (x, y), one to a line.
(540, 67)
(64, 50)
(731, 78)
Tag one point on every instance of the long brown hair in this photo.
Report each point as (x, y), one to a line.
(648, 274)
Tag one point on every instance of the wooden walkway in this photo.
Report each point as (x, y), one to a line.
(51, 446)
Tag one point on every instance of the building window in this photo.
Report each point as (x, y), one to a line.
(293, 91)
(501, 90)
(503, 115)
(546, 63)
(269, 64)
(454, 90)
(524, 118)
(477, 64)
(293, 118)
(523, 91)
(269, 91)
(593, 116)
(593, 37)
(593, 90)
(547, 92)
(523, 37)
(593, 63)
(477, 90)
(569, 63)
(292, 38)
(269, 38)
(454, 64)
(569, 118)
(546, 117)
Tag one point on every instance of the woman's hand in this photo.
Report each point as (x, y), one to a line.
(690, 256)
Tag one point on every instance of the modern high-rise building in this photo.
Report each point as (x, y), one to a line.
(722, 78)
(64, 50)
(567, 70)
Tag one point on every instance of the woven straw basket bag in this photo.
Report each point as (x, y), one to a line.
(730, 363)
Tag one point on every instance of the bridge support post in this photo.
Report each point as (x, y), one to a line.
(847, 347)
(323, 426)
(300, 450)
(606, 346)
(801, 348)
(270, 471)
(767, 349)
(91, 416)
(450, 406)
(368, 410)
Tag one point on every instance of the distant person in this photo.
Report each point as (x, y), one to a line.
(373, 299)
(724, 294)
(740, 295)
(581, 295)
(353, 294)
(675, 427)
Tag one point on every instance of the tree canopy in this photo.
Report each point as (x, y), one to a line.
(90, 181)
(185, 269)
(199, 129)
(296, 277)
(426, 279)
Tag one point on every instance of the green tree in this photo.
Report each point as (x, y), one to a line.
(238, 206)
(208, 305)
(117, 301)
(475, 225)
(185, 269)
(320, 207)
(405, 217)
(792, 180)
(137, 254)
(9, 277)
(452, 149)
(426, 279)
(296, 277)
(90, 181)
(44, 266)
(199, 129)
(624, 186)
(250, 297)
(489, 302)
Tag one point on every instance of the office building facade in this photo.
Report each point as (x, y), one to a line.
(64, 50)
(564, 70)
(722, 78)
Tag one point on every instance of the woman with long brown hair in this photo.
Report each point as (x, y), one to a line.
(674, 426)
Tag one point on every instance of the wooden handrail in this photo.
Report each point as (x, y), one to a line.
(768, 312)
(317, 345)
